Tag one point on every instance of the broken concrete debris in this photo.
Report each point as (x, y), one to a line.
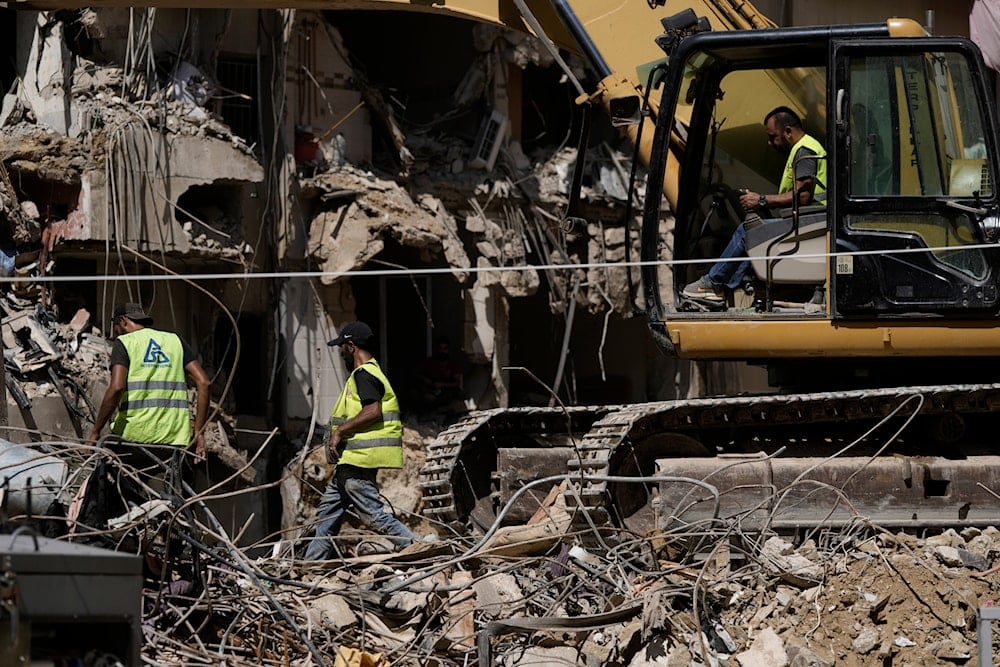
(452, 601)
(77, 150)
(358, 212)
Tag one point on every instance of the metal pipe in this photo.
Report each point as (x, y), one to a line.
(566, 339)
(576, 623)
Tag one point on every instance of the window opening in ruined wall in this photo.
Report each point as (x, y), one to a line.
(69, 298)
(212, 210)
(238, 103)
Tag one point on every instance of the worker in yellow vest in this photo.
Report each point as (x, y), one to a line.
(804, 177)
(148, 387)
(366, 433)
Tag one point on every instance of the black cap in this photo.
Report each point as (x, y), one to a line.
(353, 332)
(133, 311)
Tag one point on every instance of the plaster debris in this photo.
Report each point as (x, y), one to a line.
(369, 211)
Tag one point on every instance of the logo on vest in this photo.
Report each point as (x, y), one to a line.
(155, 354)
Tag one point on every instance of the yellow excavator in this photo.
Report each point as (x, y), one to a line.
(881, 302)
(874, 314)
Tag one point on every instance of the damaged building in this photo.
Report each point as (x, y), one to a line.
(258, 178)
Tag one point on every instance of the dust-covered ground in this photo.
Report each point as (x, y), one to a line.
(851, 596)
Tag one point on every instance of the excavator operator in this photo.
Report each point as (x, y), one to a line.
(802, 175)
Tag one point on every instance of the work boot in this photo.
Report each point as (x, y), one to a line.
(817, 304)
(819, 296)
(704, 289)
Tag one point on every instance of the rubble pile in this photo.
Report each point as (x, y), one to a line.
(542, 594)
(44, 358)
(550, 591)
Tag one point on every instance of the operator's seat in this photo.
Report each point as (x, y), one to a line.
(774, 237)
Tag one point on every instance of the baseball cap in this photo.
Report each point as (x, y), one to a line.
(353, 332)
(133, 311)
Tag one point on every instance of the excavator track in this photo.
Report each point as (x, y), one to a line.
(626, 440)
(462, 459)
(440, 465)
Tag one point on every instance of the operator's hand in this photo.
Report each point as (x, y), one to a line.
(95, 435)
(749, 200)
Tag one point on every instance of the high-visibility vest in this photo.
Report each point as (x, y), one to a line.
(381, 444)
(788, 176)
(154, 407)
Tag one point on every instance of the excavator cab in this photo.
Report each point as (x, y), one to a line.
(906, 239)
(917, 168)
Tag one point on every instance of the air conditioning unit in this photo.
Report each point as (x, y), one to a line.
(487, 146)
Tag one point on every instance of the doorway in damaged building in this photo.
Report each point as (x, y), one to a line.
(247, 387)
(407, 314)
(8, 50)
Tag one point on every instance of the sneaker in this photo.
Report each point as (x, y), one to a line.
(705, 290)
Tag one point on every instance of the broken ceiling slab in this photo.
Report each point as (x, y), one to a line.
(213, 178)
(26, 343)
(48, 155)
(209, 178)
(346, 238)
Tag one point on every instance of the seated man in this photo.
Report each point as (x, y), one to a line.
(807, 177)
(440, 378)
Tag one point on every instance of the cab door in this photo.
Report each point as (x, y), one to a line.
(914, 173)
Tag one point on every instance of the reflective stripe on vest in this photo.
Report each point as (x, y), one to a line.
(788, 176)
(381, 444)
(154, 406)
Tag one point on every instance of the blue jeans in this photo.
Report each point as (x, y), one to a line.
(355, 487)
(731, 274)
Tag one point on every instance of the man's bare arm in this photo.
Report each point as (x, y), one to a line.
(203, 398)
(113, 395)
(369, 414)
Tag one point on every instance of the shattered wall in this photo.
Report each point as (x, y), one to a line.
(167, 174)
(166, 134)
(326, 114)
(114, 160)
(450, 213)
(165, 177)
(111, 137)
